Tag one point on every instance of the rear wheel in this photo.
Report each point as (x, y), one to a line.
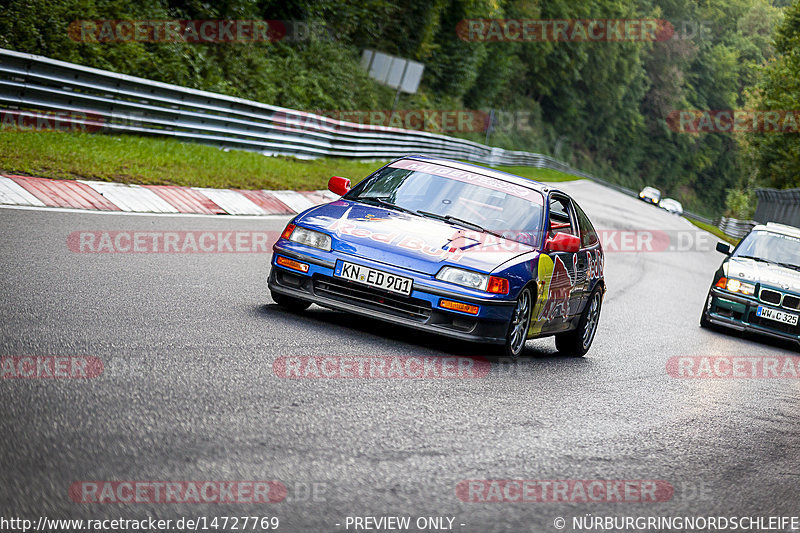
(290, 303)
(578, 341)
(518, 327)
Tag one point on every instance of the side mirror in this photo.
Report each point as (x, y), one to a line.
(563, 242)
(724, 248)
(339, 185)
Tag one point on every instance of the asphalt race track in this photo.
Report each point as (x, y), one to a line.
(188, 390)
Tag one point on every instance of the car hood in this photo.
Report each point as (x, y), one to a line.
(765, 273)
(408, 241)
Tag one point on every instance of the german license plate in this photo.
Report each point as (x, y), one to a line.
(373, 278)
(777, 316)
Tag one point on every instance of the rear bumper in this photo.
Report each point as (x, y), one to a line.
(739, 313)
(420, 311)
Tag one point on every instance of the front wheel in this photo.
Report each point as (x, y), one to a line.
(704, 322)
(518, 327)
(287, 302)
(578, 341)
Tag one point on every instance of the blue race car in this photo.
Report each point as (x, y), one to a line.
(450, 248)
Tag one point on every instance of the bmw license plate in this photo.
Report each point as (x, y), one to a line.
(373, 278)
(777, 316)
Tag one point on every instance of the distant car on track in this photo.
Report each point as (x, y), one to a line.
(450, 248)
(671, 205)
(757, 287)
(651, 195)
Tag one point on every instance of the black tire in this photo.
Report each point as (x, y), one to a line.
(578, 341)
(290, 303)
(518, 327)
(704, 322)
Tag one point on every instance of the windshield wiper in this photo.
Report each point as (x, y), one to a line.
(381, 201)
(459, 221)
(754, 258)
(789, 265)
(771, 262)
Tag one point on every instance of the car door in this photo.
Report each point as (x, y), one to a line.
(590, 257)
(564, 294)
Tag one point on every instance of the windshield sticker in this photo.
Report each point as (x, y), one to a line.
(470, 177)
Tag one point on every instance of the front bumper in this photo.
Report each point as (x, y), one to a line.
(739, 313)
(421, 310)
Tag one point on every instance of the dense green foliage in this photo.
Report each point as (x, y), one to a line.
(599, 105)
(775, 157)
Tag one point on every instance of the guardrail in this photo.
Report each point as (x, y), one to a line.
(735, 228)
(119, 103)
(782, 206)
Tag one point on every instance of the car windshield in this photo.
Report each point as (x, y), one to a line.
(652, 192)
(460, 197)
(771, 247)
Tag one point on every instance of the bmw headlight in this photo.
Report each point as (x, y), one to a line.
(465, 278)
(735, 285)
(309, 237)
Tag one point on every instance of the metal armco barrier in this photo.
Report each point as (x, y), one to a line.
(736, 228)
(782, 206)
(118, 103)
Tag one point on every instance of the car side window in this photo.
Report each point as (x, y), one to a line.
(560, 219)
(588, 234)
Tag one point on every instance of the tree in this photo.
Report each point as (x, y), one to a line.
(775, 156)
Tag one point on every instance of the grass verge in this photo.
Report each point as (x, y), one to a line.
(157, 161)
(715, 231)
(540, 174)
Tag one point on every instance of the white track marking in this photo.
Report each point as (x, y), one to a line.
(13, 193)
(131, 197)
(293, 199)
(233, 202)
(130, 213)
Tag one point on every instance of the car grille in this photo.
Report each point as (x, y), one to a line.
(371, 298)
(791, 302)
(770, 296)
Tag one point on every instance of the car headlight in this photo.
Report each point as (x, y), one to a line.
(465, 278)
(309, 237)
(735, 285)
(474, 280)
